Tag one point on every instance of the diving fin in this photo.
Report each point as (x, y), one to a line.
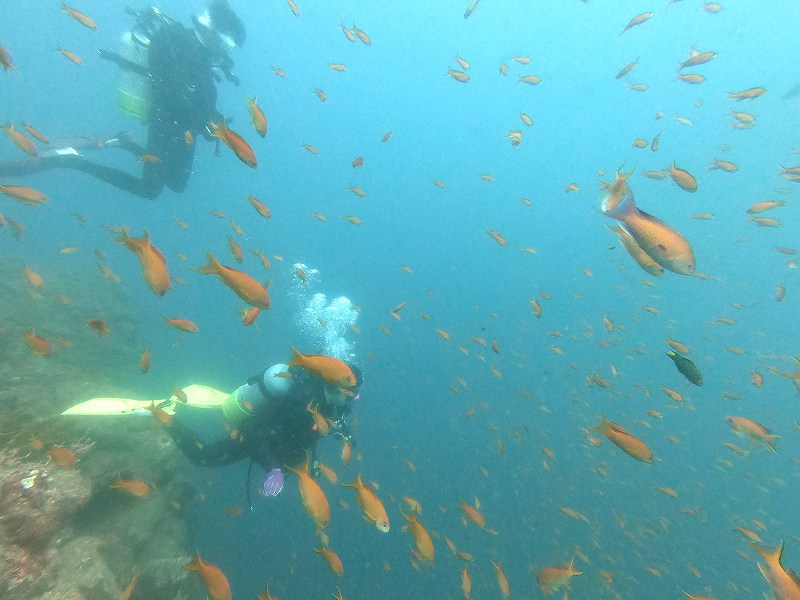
(197, 396)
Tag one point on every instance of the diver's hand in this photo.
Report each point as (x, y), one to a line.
(109, 55)
(274, 483)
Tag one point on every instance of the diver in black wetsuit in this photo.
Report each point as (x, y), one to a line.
(274, 426)
(180, 69)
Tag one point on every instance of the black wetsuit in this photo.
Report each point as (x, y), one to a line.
(182, 98)
(274, 438)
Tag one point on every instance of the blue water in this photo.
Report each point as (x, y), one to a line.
(584, 121)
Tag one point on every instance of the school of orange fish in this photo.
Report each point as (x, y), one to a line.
(653, 246)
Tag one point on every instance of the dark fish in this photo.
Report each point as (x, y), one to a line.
(686, 367)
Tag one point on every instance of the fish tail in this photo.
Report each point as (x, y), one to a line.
(196, 563)
(211, 267)
(297, 358)
(355, 484)
(772, 556)
(603, 427)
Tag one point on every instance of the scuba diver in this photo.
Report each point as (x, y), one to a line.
(274, 422)
(169, 82)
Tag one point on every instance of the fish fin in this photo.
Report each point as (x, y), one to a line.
(211, 266)
(772, 556)
(297, 358)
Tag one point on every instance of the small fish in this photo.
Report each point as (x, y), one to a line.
(374, 512)
(471, 6)
(637, 20)
(332, 559)
(63, 457)
(626, 69)
(235, 142)
(631, 445)
(748, 94)
(70, 55)
(686, 367)
(313, 497)
(683, 178)
(423, 545)
(182, 324)
(212, 577)
(242, 284)
(5, 60)
(20, 141)
(552, 578)
(754, 431)
(130, 486)
(459, 76)
(79, 16)
(98, 325)
(257, 116)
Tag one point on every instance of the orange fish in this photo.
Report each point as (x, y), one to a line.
(33, 277)
(755, 432)
(63, 457)
(466, 584)
(423, 545)
(551, 578)
(160, 414)
(79, 16)
(20, 141)
(236, 249)
(358, 162)
(128, 590)
(154, 265)
(320, 422)
(70, 55)
(182, 324)
(313, 497)
(333, 560)
(260, 207)
(683, 178)
(332, 370)
(785, 583)
(26, 195)
(235, 142)
(130, 486)
(328, 473)
(502, 580)
(347, 450)
(212, 577)
(38, 344)
(474, 514)
(35, 133)
(244, 286)
(374, 512)
(632, 446)
(257, 116)
(249, 316)
(659, 241)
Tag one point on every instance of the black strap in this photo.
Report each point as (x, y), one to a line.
(247, 488)
(259, 380)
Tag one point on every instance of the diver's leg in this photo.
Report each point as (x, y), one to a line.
(28, 166)
(145, 187)
(175, 156)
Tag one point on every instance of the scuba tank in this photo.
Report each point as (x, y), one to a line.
(133, 94)
(256, 394)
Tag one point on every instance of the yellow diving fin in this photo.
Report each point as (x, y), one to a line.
(197, 396)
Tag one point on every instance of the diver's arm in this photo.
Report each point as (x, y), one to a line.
(223, 452)
(123, 63)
